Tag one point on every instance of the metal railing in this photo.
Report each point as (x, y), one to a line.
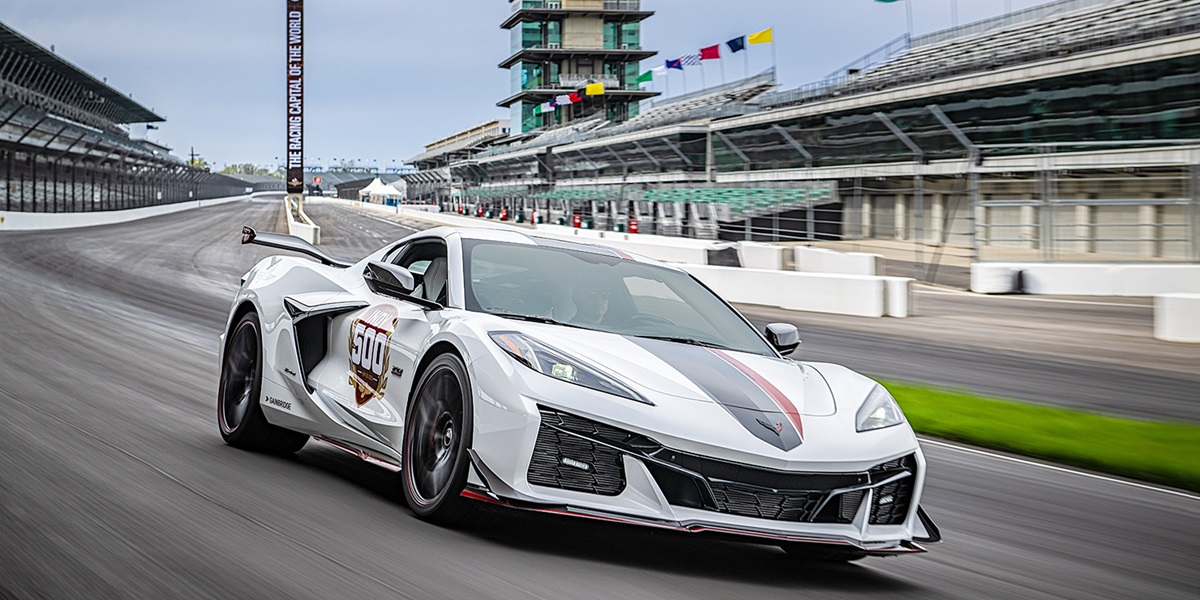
(1186, 21)
(518, 5)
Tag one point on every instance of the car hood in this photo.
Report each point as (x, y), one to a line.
(769, 396)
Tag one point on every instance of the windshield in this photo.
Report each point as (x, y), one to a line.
(605, 293)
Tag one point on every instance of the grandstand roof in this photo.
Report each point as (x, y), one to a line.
(119, 107)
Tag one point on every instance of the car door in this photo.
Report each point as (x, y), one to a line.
(377, 346)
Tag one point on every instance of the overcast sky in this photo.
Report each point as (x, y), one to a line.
(385, 77)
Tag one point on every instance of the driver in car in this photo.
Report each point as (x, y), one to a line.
(591, 303)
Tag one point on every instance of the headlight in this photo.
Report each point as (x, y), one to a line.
(879, 411)
(556, 364)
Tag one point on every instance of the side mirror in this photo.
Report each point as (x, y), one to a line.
(783, 336)
(389, 279)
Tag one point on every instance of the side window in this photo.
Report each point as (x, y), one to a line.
(418, 267)
(426, 259)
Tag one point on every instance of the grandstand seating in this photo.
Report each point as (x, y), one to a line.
(1115, 23)
(745, 202)
(706, 104)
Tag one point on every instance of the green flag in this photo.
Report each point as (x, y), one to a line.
(646, 77)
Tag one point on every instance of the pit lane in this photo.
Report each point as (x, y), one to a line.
(114, 481)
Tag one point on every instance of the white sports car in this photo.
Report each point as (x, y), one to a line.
(493, 367)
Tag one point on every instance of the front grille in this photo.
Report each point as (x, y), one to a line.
(890, 503)
(590, 461)
(763, 504)
(569, 462)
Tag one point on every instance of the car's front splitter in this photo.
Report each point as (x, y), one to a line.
(698, 526)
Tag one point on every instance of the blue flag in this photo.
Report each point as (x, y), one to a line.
(737, 44)
(675, 64)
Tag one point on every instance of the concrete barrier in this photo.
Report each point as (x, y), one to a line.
(898, 297)
(756, 255)
(856, 295)
(300, 225)
(989, 278)
(666, 249)
(1177, 317)
(811, 259)
(27, 221)
(1100, 279)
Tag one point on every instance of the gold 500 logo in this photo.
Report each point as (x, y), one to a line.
(369, 338)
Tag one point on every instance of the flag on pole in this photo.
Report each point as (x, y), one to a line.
(737, 44)
(710, 53)
(595, 89)
(765, 36)
(646, 77)
(575, 97)
(690, 60)
(563, 100)
(659, 71)
(675, 64)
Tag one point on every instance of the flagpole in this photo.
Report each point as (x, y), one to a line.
(908, 10)
(746, 61)
(703, 82)
(721, 61)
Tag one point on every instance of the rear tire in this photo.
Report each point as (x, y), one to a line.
(239, 414)
(821, 553)
(437, 433)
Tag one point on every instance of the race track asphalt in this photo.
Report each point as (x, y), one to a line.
(114, 482)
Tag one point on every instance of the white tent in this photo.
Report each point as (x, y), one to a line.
(378, 192)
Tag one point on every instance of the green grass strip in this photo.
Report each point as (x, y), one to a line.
(1167, 453)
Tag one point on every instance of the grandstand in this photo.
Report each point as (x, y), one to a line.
(1067, 131)
(64, 144)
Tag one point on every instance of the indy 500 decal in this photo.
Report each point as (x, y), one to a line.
(369, 338)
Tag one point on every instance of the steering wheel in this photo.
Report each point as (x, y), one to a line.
(641, 319)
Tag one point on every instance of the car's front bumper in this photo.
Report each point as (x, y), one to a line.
(583, 468)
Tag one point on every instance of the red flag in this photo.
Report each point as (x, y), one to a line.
(711, 52)
(575, 97)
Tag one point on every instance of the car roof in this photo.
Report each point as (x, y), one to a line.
(512, 236)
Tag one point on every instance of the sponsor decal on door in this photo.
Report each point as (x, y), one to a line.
(370, 336)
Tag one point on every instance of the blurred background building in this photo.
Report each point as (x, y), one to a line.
(1064, 132)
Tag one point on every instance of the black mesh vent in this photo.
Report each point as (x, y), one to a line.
(569, 462)
(842, 508)
(763, 504)
(890, 502)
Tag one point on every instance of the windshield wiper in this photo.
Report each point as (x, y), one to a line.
(686, 340)
(536, 319)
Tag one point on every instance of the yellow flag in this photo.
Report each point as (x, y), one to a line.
(594, 89)
(765, 36)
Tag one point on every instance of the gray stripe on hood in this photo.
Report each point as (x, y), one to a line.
(729, 388)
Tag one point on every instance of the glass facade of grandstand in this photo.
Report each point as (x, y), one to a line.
(1146, 102)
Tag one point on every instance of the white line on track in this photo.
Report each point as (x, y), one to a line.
(1028, 299)
(968, 450)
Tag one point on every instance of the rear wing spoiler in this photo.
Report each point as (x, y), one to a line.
(292, 243)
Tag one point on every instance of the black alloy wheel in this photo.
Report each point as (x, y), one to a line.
(437, 434)
(239, 414)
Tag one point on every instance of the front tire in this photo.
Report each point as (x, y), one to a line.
(437, 434)
(239, 414)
